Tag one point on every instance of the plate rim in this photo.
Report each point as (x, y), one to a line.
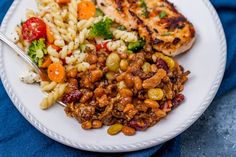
(128, 147)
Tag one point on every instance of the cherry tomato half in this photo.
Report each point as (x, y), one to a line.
(102, 45)
(33, 29)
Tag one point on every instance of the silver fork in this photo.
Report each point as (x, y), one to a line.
(24, 56)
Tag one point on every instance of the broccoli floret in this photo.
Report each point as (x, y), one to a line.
(37, 50)
(136, 46)
(102, 29)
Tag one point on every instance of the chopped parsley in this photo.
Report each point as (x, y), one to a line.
(162, 14)
(145, 12)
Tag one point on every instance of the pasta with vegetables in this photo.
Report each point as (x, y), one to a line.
(106, 73)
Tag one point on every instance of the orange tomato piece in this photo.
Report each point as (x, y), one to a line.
(47, 61)
(86, 9)
(56, 72)
(50, 37)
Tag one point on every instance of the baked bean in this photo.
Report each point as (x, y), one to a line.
(151, 103)
(130, 113)
(91, 58)
(121, 77)
(140, 62)
(131, 56)
(125, 92)
(123, 55)
(153, 68)
(99, 92)
(141, 107)
(101, 59)
(92, 67)
(129, 80)
(96, 124)
(86, 96)
(137, 83)
(96, 75)
(86, 125)
(72, 73)
(103, 101)
(159, 113)
(128, 131)
(125, 100)
(128, 107)
(124, 64)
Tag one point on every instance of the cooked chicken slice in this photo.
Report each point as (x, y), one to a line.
(167, 30)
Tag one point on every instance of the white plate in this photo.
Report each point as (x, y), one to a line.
(206, 60)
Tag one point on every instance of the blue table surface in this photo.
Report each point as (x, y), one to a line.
(214, 134)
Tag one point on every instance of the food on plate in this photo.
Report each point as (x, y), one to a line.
(108, 61)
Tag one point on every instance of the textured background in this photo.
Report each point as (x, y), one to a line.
(214, 134)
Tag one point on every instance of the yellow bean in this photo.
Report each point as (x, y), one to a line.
(113, 62)
(155, 94)
(114, 129)
(146, 67)
(121, 85)
(110, 75)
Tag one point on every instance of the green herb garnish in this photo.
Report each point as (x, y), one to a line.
(145, 12)
(166, 34)
(162, 14)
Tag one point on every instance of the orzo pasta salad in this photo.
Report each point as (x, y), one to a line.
(108, 71)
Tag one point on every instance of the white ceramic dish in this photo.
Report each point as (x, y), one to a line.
(206, 60)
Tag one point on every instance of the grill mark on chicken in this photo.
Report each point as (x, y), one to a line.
(173, 22)
(141, 23)
(139, 20)
(157, 41)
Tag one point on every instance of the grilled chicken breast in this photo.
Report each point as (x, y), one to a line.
(158, 21)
